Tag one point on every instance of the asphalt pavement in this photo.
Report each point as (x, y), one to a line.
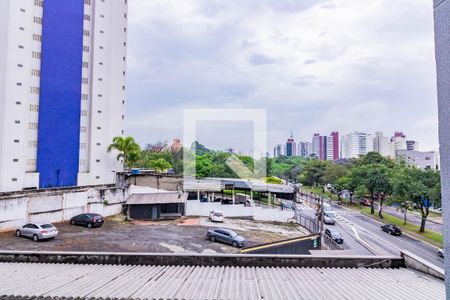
(363, 236)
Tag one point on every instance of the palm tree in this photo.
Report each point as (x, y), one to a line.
(128, 149)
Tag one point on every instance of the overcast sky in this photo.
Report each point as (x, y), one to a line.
(315, 65)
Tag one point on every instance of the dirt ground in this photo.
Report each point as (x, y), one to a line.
(181, 236)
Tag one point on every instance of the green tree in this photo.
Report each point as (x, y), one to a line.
(160, 165)
(127, 148)
(313, 173)
(378, 183)
(419, 186)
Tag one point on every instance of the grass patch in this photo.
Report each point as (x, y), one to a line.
(429, 236)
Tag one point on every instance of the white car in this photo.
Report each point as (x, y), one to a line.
(216, 216)
(441, 253)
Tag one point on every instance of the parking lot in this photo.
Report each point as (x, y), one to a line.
(181, 236)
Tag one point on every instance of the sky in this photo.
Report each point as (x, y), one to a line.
(314, 65)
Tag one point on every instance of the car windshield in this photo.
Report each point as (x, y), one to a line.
(46, 226)
(331, 214)
(218, 214)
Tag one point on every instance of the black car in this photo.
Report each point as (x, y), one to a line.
(334, 235)
(89, 220)
(391, 229)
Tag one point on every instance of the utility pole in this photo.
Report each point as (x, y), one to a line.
(321, 214)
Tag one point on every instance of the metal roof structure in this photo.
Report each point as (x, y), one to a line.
(54, 281)
(157, 198)
(218, 184)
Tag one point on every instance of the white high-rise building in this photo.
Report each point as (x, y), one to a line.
(382, 145)
(62, 91)
(356, 144)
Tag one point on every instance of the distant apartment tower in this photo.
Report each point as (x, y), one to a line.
(326, 147)
(278, 151)
(399, 141)
(382, 145)
(356, 144)
(304, 149)
(291, 146)
(62, 91)
(412, 145)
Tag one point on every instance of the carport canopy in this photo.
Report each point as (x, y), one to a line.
(157, 198)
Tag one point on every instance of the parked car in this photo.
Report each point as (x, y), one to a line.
(37, 232)
(364, 201)
(216, 216)
(89, 220)
(334, 235)
(391, 229)
(329, 221)
(226, 236)
(441, 253)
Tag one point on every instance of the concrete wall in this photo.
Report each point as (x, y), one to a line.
(168, 183)
(442, 39)
(57, 206)
(260, 213)
(231, 260)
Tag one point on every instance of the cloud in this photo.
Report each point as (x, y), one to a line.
(316, 66)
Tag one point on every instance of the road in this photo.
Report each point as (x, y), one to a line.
(363, 236)
(413, 218)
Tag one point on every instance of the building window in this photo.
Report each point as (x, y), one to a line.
(85, 48)
(14, 179)
(123, 117)
(82, 145)
(87, 17)
(87, 2)
(98, 144)
(32, 144)
(39, 3)
(84, 113)
(33, 125)
(86, 33)
(22, 10)
(85, 64)
(99, 128)
(20, 65)
(100, 95)
(16, 141)
(123, 88)
(35, 73)
(36, 55)
(98, 160)
(83, 129)
(34, 107)
(97, 177)
(82, 162)
(102, 16)
(37, 37)
(21, 28)
(37, 20)
(18, 102)
(101, 31)
(34, 90)
(100, 79)
(31, 162)
(85, 80)
(17, 121)
(21, 47)
(19, 83)
(15, 160)
(99, 111)
(101, 47)
(84, 97)
(100, 63)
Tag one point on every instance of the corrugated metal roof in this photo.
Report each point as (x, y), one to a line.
(218, 184)
(205, 282)
(157, 198)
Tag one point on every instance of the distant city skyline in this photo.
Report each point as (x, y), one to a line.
(312, 70)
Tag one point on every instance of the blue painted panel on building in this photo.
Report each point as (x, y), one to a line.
(60, 93)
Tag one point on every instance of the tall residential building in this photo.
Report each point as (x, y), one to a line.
(382, 145)
(326, 147)
(304, 149)
(291, 146)
(412, 145)
(62, 91)
(356, 144)
(278, 150)
(399, 141)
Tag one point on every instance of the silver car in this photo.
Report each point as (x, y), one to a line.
(37, 232)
